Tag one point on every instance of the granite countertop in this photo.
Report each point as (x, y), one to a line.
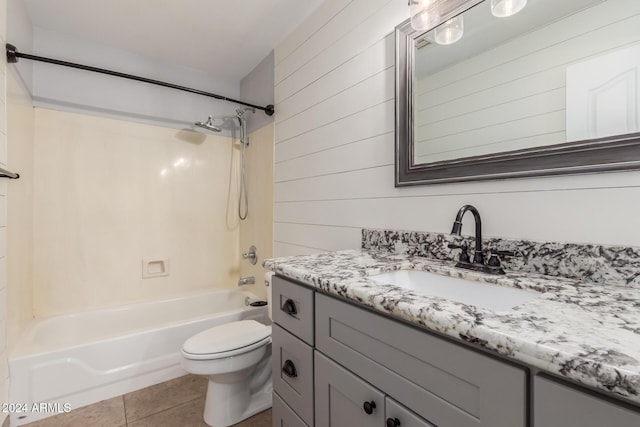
(586, 332)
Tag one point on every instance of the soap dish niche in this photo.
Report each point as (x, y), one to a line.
(155, 267)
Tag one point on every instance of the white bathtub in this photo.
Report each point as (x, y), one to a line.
(82, 358)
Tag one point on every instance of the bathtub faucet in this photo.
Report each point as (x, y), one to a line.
(246, 281)
(252, 255)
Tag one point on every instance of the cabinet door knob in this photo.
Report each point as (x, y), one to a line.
(289, 369)
(289, 307)
(393, 422)
(369, 407)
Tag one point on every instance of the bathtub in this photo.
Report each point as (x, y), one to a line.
(68, 361)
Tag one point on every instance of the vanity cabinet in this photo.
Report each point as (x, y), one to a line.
(339, 364)
(360, 357)
(344, 400)
(445, 383)
(557, 404)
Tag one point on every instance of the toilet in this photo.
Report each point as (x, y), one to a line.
(236, 358)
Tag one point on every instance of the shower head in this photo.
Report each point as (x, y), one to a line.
(208, 125)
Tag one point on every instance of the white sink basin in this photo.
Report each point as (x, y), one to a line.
(493, 297)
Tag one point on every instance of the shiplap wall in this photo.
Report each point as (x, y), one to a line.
(513, 96)
(334, 173)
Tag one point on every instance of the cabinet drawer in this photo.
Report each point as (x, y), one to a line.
(442, 382)
(556, 404)
(292, 367)
(283, 416)
(293, 308)
(402, 416)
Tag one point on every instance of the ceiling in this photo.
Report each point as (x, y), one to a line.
(226, 38)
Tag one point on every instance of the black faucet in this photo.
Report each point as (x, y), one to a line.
(493, 265)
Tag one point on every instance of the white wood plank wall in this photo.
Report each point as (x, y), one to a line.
(513, 96)
(334, 152)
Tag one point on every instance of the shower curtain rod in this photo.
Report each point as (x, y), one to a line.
(13, 55)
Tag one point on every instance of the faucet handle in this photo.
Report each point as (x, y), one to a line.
(506, 253)
(494, 259)
(494, 265)
(464, 255)
(251, 255)
(463, 246)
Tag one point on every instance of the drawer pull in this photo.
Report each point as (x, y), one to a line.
(289, 307)
(393, 422)
(369, 407)
(289, 369)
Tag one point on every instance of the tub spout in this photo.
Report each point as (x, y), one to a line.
(246, 281)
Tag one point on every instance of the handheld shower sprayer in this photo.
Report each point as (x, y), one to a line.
(243, 123)
(243, 198)
(244, 139)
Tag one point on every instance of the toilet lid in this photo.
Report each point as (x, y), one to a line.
(226, 337)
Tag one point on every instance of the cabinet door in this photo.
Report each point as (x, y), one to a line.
(283, 416)
(399, 416)
(556, 404)
(343, 400)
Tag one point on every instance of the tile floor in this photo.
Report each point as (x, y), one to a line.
(175, 403)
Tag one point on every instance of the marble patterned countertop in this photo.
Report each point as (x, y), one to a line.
(586, 332)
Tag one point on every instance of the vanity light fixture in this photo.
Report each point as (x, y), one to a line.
(425, 14)
(505, 8)
(449, 32)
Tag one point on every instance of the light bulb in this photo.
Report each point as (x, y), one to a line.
(450, 32)
(425, 14)
(504, 8)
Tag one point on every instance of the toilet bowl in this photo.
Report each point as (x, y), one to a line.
(236, 359)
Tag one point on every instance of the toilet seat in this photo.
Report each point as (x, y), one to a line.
(227, 340)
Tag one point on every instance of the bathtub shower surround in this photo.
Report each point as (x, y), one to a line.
(110, 193)
(585, 262)
(86, 357)
(583, 327)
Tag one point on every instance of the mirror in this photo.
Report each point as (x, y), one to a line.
(553, 89)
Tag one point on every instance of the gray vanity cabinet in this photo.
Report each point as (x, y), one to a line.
(351, 361)
(349, 358)
(557, 404)
(445, 383)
